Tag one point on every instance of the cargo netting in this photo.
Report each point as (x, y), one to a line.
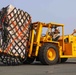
(14, 35)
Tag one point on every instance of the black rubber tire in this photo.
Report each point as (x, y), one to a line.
(63, 60)
(29, 60)
(43, 54)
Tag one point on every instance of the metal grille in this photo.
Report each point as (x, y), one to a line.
(15, 35)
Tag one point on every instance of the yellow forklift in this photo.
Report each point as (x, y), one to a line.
(41, 47)
(45, 49)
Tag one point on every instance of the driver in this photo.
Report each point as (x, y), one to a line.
(55, 34)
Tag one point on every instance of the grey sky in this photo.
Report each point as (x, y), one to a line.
(60, 11)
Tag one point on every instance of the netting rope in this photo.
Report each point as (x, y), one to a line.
(15, 35)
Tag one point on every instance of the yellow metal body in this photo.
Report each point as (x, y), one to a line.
(69, 47)
(66, 48)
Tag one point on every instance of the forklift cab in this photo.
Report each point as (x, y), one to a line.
(47, 30)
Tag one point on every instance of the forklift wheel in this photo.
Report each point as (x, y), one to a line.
(48, 54)
(29, 60)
